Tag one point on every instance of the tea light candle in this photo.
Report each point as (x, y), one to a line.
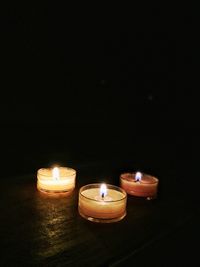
(139, 184)
(56, 180)
(102, 203)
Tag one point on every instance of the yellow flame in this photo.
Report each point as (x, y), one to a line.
(103, 190)
(56, 173)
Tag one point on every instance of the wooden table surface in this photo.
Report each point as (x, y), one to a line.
(40, 230)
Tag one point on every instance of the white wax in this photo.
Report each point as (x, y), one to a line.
(65, 181)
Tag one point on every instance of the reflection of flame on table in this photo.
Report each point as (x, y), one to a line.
(54, 224)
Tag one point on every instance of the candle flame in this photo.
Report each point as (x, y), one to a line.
(56, 173)
(138, 176)
(103, 190)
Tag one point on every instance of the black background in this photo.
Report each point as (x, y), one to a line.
(70, 66)
(92, 82)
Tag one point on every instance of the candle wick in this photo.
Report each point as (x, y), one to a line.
(102, 195)
(137, 180)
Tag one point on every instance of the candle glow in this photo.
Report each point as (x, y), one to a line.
(56, 180)
(56, 173)
(138, 176)
(139, 184)
(103, 190)
(102, 203)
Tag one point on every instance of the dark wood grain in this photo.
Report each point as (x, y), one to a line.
(41, 230)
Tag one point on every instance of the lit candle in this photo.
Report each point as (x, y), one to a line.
(139, 184)
(56, 180)
(102, 203)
